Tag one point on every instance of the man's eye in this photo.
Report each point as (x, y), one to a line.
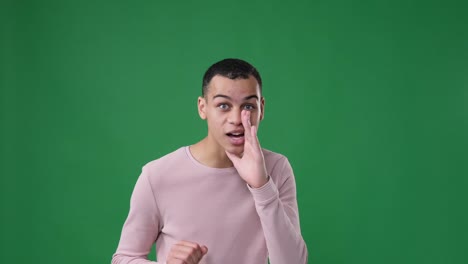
(249, 107)
(223, 106)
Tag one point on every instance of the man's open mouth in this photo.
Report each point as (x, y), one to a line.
(235, 135)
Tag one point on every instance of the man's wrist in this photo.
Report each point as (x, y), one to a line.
(260, 185)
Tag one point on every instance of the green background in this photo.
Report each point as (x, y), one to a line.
(368, 99)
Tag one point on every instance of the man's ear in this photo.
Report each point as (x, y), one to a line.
(202, 107)
(262, 108)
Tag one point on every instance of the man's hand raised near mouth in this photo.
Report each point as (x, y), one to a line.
(251, 166)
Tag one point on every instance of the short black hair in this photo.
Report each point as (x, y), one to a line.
(232, 69)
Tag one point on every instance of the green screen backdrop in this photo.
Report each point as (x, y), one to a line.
(367, 99)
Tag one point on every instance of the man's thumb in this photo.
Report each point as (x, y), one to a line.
(232, 157)
(204, 249)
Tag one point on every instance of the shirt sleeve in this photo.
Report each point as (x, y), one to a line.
(276, 205)
(142, 226)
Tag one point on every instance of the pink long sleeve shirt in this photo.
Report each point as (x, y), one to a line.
(177, 198)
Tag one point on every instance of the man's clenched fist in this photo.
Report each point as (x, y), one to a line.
(185, 252)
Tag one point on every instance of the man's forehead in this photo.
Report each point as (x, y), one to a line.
(233, 87)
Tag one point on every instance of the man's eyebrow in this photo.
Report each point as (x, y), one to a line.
(222, 95)
(227, 97)
(250, 97)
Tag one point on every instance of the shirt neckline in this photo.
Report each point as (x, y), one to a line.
(229, 170)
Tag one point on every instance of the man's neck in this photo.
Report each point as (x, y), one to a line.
(210, 154)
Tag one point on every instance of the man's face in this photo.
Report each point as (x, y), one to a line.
(222, 106)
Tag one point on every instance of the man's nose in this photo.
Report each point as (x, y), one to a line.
(235, 117)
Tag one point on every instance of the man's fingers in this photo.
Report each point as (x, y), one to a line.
(189, 247)
(179, 255)
(255, 141)
(188, 244)
(187, 251)
(188, 254)
(176, 261)
(245, 115)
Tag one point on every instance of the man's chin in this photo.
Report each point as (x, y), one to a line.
(236, 150)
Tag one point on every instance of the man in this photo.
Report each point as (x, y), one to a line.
(223, 200)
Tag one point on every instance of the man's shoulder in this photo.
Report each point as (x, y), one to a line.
(272, 157)
(167, 161)
(277, 165)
